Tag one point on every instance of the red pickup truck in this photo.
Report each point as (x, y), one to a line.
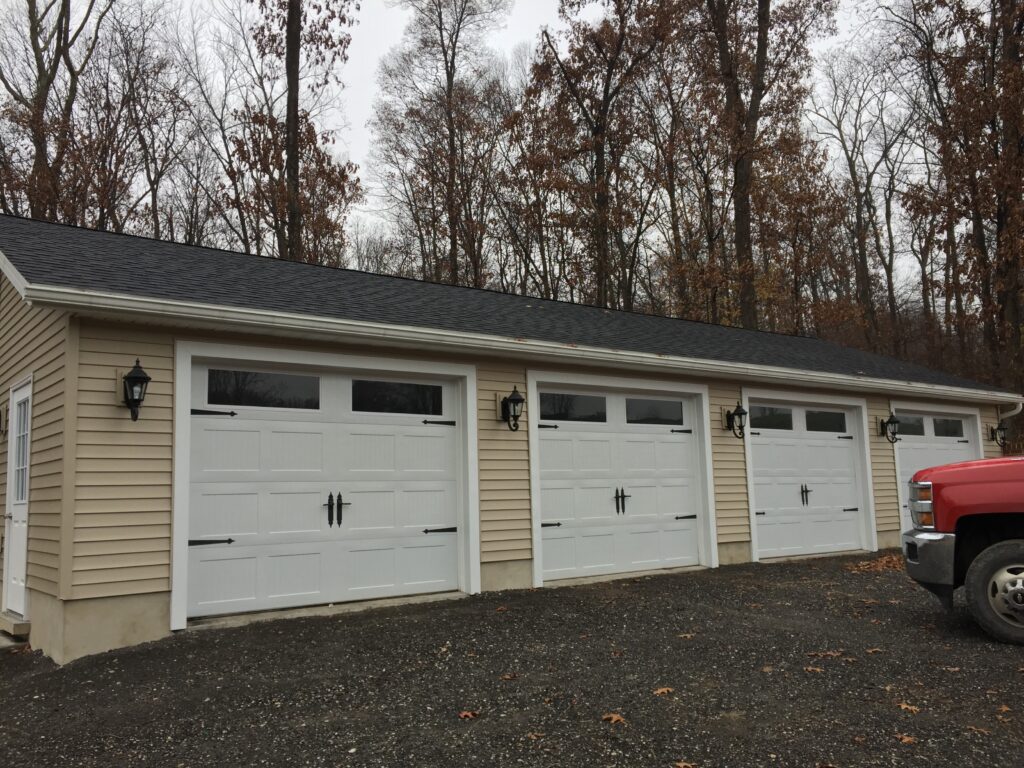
(969, 531)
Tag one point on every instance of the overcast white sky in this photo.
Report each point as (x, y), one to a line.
(379, 29)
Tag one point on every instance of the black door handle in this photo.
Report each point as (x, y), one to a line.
(617, 492)
(341, 505)
(330, 510)
(624, 497)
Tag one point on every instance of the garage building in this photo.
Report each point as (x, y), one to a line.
(313, 436)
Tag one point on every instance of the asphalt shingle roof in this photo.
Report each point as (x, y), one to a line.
(69, 257)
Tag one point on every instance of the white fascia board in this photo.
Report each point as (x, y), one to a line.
(306, 326)
(13, 275)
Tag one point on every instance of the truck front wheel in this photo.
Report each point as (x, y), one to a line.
(994, 589)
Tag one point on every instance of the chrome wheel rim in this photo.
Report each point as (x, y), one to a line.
(1006, 594)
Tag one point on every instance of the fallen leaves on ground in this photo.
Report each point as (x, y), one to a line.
(909, 708)
(509, 676)
(814, 670)
(905, 738)
(873, 651)
(468, 714)
(951, 669)
(1003, 708)
(534, 735)
(618, 652)
(767, 669)
(687, 635)
(613, 718)
(684, 764)
(982, 731)
(825, 654)
(892, 562)
(501, 609)
(663, 691)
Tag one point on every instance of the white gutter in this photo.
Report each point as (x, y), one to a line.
(1012, 412)
(282, 323)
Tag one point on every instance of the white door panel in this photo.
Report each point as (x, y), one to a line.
(583, 466)
(263, 479)
(809, 497)
(19, 456)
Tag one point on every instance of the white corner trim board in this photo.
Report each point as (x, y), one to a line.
(310, 327)
(462, 376)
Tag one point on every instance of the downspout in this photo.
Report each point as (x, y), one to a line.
(1010, 413)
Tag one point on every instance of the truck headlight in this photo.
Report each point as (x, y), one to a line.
(921, 505)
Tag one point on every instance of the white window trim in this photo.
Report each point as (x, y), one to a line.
(536, 379)
(25, 382)
(931, 409)
(860, 428)
(466, 416)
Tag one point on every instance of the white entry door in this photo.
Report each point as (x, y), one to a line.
(19, 452)
(323, 487)
(809, 494)
(620, 487)
(931, 440)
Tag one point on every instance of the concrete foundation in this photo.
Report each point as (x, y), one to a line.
(514, 574)
(66, 630)
(734, 553)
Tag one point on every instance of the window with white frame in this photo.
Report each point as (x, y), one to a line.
(21, 451)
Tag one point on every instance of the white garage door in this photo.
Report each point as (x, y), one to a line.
(620, 487)
(930, 440)
(323, 487)
(809, 495)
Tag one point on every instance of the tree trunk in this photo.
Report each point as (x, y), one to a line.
(743, 170)
(291, 66)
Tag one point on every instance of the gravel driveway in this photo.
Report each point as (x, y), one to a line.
(813, 663)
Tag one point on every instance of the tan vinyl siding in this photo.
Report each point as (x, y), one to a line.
(729, 467)
(121, 542)
(883, 470)
(989, 419)
(504, 456)
(33, 340)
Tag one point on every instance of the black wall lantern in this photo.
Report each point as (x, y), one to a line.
(890, 428)
(998, 434)
(736, 420)
(135, 383)
(512, 409)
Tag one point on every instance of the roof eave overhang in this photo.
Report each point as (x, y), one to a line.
(326, 328)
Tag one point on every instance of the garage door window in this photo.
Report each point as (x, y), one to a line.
(912, 425)
(654, 411)
(396, 397)
(826, 421)
(263, 390)
(949, 428)
(555, 406)
(771, 417)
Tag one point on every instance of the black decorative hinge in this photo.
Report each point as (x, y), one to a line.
(453, 529)
(851, 509)
(547, 426)
(758, 434)
(201, 542)
(760, 513)
(963, 441)
(550, 525)
(683, 431)
(686, 517)
(443, 423)
(207, 412)
(844, 437)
